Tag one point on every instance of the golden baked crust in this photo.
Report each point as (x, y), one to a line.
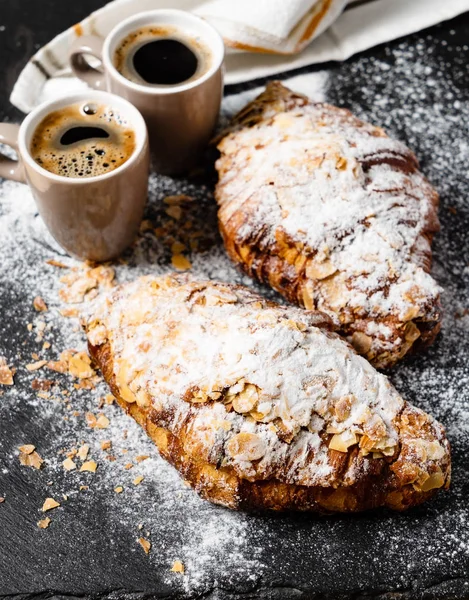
(262, 406)
(334, 215)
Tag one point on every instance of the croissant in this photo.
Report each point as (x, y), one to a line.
(262, 406)
(335, 216)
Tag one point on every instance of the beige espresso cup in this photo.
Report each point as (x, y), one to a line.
(95, 217)
(180, 117)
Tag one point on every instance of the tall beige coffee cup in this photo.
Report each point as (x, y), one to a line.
(180, 117)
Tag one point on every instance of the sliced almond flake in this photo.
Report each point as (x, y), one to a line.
(138, 480)
(177, 567)
(39, 304)
(174, 211)
(119, 489)
(109, 399)
(27, 448)
(6, 374)
(69, 465)
(31, 460)
(44, 395)
(49, 504)
(34, 355)
(36, 365)
(177, 247)
(146, 544)
(83, 451)
(102, 422)
(91, 420)
(43, 523)
(141, 457)
(2, 499)
(180, 262)
(106, 445)
(128, 466)
(89, 465)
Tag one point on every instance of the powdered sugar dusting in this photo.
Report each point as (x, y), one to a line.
(348, 198)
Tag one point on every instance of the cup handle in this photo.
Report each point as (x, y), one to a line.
(91, 45)
(10, 168)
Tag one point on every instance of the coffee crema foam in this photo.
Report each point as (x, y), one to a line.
(134, 41)
(82, 140)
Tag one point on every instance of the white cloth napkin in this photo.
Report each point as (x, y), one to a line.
(274, 25)
(278, 26)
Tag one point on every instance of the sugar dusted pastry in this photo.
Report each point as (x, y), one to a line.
(259, 405)
(334, 215)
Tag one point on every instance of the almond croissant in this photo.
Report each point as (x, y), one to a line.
(259, 405)
(334, 215)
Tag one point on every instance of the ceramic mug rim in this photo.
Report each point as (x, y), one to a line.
(33, 119)
(157, 16)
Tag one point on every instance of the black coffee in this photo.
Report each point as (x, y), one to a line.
(78, 134)
(156, 55)
(82, 140)
(165, 62)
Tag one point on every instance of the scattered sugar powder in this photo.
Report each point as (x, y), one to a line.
(410, 91)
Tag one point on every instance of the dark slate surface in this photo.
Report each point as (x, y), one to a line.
(420, 555)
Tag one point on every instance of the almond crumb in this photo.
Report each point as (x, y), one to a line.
(106, 445)
(146, 544)
(140, 526)
(177, 247)
(180, 262)
(91, 419)
(69, 465)
(43, 523)
(46, 345)
(39, 304)
(128, 466)
(83, 451)
(49, 504)
(177, 567)
(109, 399)
(36, 365)
(102, 422)
(119, 489)
(6, 374)
(30, 458)
(89, 465)
(64, 496)
(174, 211)
(138, 480)
(141, 457)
